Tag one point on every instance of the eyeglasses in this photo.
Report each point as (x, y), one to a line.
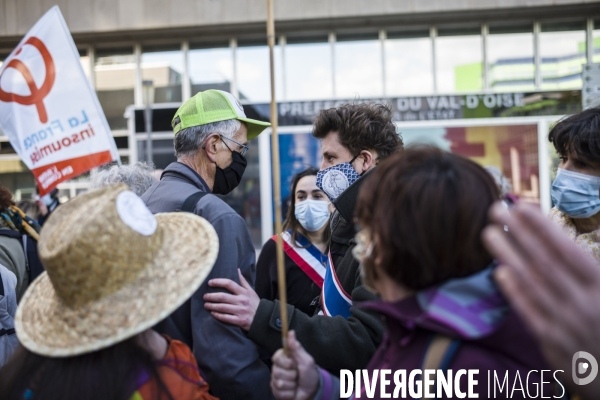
(243, 147)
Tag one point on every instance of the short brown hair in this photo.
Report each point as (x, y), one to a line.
(426, 209)
(365, 126)
(6, 198)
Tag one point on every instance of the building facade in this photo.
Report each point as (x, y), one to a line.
(483, 78)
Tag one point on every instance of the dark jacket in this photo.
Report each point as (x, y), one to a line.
(488, 333)
(335, 343)
(509, 348)
(227, 357)
(301, 290)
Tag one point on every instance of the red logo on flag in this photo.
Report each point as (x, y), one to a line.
(37, 95)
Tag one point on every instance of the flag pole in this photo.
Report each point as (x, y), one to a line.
(277, 179)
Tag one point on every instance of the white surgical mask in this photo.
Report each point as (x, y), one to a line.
(312, 214)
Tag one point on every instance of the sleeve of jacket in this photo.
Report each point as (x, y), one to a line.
(329, 387)
(13, 258)
(226, 356)
(334, 342)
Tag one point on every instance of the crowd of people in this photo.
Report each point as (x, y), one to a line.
(396, 258)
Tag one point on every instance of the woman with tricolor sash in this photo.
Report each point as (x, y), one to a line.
(305, 237)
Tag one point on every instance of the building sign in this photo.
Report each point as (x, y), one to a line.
(49, 110)
(414, 108)
(436, 107)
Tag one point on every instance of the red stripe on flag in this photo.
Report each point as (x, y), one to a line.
(304, 266)
(50, 175)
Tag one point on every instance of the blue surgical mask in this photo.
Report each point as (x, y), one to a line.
(575, 194)
(312, 214)
(334, 180)
(47, 199)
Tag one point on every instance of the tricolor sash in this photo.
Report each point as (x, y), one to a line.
(334, 299)
(306, 255)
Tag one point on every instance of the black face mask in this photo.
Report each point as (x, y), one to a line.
(227, 179)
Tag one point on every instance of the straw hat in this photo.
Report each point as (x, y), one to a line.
(113, 271)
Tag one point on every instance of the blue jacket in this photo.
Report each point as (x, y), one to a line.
(229, 360)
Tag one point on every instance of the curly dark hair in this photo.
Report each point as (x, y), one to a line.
(6, 198)
(579, 135)
(426, 209)
(364, 126)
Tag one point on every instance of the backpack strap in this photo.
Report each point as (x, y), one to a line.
(178, 325)
(10, 233)
(439, 353)
(434, 355)
(4, 332)
(190, 203)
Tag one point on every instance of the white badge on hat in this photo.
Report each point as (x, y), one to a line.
(236, 103)
(134, 213)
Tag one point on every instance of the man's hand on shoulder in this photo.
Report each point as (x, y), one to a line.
(237, 308)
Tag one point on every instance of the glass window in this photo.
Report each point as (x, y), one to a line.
(511, 148)
(85, 62)
(562, 52)
(596, 45)
(254, 82)
(358, 71)
(2, 58)
(308, 70)
(459, 60)
(19, 181)
(210, 67)
(115, 80)
(511, 65)
(163, 152)
(297, 152)
(164, 67)
(408, 64)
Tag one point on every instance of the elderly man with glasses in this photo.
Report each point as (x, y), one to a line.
(211, 136)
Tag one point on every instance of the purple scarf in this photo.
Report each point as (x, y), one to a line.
(472, 306)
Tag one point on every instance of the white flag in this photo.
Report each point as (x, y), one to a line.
(49, 110)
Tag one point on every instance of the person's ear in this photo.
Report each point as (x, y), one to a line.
(368, 161)
(211, 146)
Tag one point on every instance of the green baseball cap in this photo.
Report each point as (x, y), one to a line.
(213, 106)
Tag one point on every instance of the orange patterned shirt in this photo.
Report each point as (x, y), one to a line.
(179, 372)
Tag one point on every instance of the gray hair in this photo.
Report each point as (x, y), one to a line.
(138, 177)
(189, 140)
(502, 182)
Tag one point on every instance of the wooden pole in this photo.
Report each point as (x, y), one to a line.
(277, 180)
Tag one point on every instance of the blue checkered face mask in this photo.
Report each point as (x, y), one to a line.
(335, 179)
(576, 194)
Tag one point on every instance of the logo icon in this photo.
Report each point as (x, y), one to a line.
(581, 368)
(37, 94)
(334, 183)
